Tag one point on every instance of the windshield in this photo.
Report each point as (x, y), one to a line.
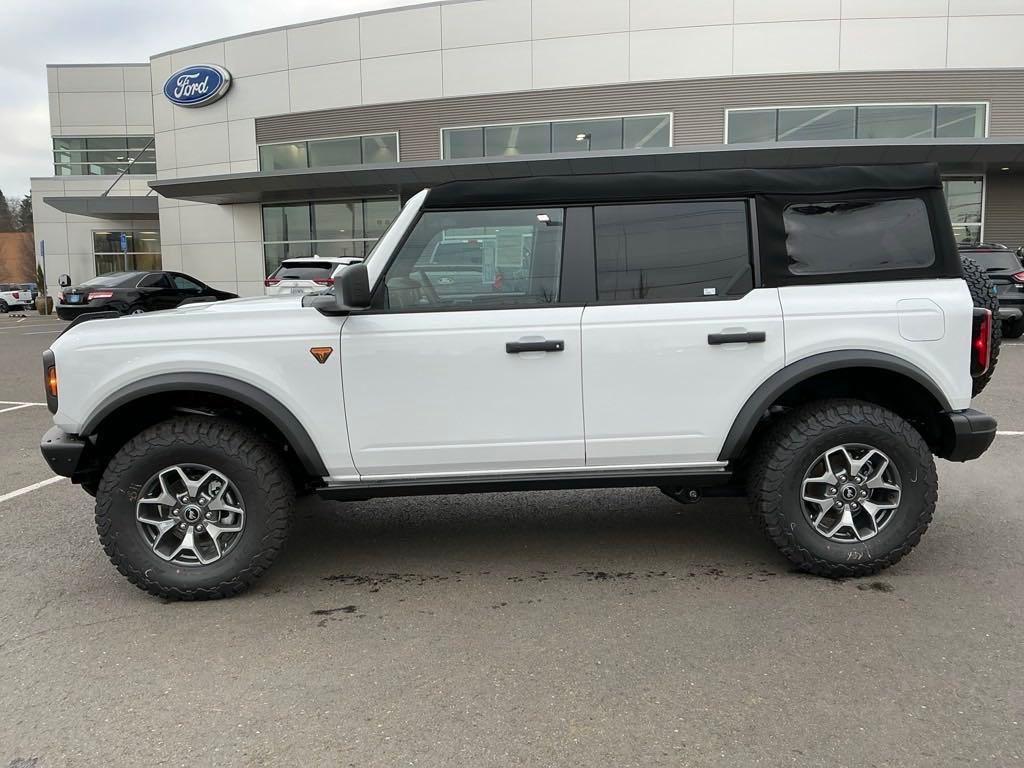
(991, 261)
(113, 278)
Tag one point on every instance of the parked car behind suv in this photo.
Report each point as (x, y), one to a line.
(307, 275)
(801, 337)
(14, 297)
(1003, 268)
(132, 293)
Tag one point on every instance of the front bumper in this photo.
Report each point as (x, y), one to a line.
(967, 434)
(66, 454)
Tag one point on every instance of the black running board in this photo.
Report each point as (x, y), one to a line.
(540, 481)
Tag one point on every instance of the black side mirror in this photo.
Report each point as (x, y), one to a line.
(1020, 253)
(352, 288)
(64, 281)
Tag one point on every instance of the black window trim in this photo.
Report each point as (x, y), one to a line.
(753, 252)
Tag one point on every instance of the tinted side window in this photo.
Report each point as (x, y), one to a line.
(155, 280)
(833, 236)
(184, 284)
(681, 251)
(478, 259)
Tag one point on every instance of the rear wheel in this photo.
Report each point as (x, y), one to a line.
(194, 508)
(3, 307)
(843, 487)
(983, 293)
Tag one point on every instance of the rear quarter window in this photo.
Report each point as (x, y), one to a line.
(849, 236)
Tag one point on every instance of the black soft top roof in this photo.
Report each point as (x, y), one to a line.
(632, 186)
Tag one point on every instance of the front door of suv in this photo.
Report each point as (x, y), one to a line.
(472, 366)
(679, 337)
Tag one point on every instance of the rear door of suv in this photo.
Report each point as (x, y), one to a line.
(679, 337)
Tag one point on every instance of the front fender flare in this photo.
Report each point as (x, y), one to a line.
(246, 394)
(783, 380)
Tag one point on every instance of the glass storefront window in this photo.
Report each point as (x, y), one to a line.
(463, 142)
(141, 252)
(325, 153)
(281, 157)
(646, 131)
(817, 124)
(586, 135)
(511, 140)
(582, 135)
(964, 196)
(960, 121)
(382, 148)
(885, 121)
(332, 228)
(103, 155)
(334, 152)
(751, 126)
(895, 122)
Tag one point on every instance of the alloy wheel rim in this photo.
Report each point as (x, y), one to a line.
(851, 492)
(190, 514)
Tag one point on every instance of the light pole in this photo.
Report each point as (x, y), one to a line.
(584, 137)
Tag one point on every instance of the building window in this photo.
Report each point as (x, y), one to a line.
(103, 155)
(322, 153)
(126, 251)
(840, 122)
(964, 198)
(581, 135)
(324, 228)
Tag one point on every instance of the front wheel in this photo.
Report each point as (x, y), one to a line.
(843, 487)
(194, 508)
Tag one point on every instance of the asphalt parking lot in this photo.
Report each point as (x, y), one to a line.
(551, 628)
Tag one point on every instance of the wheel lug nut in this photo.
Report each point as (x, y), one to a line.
(182, 526)
(209, 515)
(199, 527)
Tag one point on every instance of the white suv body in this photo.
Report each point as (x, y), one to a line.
(549, 373)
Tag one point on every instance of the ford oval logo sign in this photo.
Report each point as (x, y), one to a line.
(197, 86)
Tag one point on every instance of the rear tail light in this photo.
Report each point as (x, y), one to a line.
(324, 281)
(981, 342)
(1018, 277)
(271, 281)
(100, 295)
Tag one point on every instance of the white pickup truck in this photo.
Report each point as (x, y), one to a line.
(14, 298)
(801, 337)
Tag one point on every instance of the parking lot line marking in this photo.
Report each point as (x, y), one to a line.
(30, 488)
(36, 333)
(1011, 433)
(15, 407)
(18, 402)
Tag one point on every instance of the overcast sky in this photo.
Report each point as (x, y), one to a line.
(34, 33)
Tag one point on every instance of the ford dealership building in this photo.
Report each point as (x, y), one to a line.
(222, 158)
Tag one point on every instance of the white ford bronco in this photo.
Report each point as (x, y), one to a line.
(802, 337)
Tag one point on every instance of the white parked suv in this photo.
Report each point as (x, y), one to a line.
(305, 275)
(802, 337)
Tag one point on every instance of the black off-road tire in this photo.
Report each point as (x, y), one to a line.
(1013, 329)
(249, 461)
(789, 449)
(983, 294)
(4, 309)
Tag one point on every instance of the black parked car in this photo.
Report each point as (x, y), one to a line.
(1004, 268)
(132, 293)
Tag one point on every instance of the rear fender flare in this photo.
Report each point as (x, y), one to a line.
(787, 378)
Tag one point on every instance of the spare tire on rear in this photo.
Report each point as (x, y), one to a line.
(983, 293)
